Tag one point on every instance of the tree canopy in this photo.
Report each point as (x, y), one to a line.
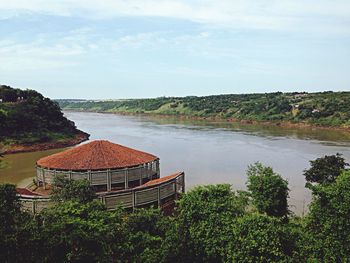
(268, 190)
(325, 169)
(26, 116)
(211, 223)
(328, 224)
(73, 190)
(322, 108)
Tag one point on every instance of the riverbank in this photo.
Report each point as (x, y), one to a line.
(20, 148)
(280, 123)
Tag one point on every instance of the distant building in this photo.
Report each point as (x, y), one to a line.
(295, 106)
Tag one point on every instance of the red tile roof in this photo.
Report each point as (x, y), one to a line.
(25, 191)
(96, 155)
(161, 180)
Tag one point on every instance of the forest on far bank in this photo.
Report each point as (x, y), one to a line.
(321, 108)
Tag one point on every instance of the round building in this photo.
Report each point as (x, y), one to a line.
(107, 166)
(119, 175)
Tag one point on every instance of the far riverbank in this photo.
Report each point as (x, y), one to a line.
(280, 123)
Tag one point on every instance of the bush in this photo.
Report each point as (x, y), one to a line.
(78, 190)
(328, 224)
(325, 169)
(205, 219)
(261, 238)
(268, 190)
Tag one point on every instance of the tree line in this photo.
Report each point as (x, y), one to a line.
(26, 116)
(322, 108)
(211, 223)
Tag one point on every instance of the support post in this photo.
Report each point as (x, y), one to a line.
(157, 168)
(126, 179)
(44, 184)
(89, 176)
(159, 200)
(141, 171)
(109, 181)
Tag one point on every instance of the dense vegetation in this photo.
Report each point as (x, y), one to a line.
(27, 117)
(326, 108)
(211, 224)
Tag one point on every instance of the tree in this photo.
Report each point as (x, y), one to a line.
(268, 190)
(17, 228)
(1, 156)
(33, 119)
(204, 223)
(9, 212)
(328, 224)
(261, 238)
(146, 230)
(325, 169)
(65, 189)
(81, 232)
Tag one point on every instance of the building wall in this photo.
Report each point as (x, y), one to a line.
(111, 178)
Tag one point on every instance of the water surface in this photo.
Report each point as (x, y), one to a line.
(208, 152)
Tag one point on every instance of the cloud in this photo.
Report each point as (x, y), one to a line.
(310, 15)
(45, 51)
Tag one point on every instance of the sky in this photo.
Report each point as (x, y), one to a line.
(110, 49)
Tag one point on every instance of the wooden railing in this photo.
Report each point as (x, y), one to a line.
(157, 194)
(107, 178)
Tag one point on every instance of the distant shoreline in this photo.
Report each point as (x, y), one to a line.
(284, 124)
(20, 148)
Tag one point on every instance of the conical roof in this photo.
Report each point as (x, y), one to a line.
(96, 155)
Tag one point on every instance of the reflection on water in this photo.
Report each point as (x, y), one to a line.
(323, 136)
(208, 151)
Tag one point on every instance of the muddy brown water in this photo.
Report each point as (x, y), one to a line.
(209, 152)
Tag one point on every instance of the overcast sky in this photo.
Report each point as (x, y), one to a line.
(130, 49)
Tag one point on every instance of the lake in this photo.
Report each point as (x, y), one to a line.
(209, 152)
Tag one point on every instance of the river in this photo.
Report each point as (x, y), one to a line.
(209, 152)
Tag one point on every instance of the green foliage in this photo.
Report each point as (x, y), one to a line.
(9, 204)
(205, 219)
(268, 190)
(210, 224)
(78, 232)
(261, 238)
(146, 230)
(328, 222)
(78, 190)
(323, 108)
(75, 232)
(17, 242)
(325, 169)
(26, 117)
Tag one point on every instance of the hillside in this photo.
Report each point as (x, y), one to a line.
(28, 120)
(326, 108)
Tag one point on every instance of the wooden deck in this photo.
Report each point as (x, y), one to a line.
(159, 192)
